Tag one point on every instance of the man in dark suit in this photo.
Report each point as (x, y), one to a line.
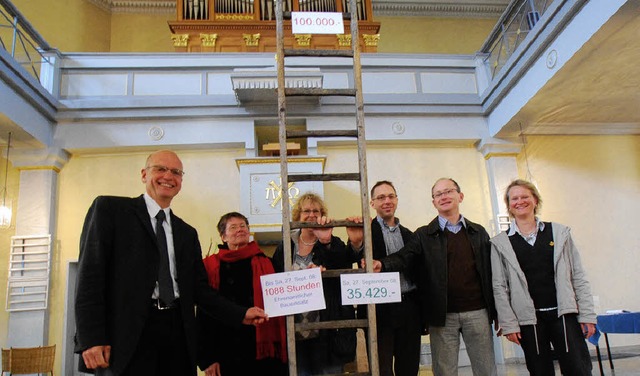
(399, 324)
(140, 274)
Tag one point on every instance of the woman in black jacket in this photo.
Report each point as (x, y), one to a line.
(320, 351)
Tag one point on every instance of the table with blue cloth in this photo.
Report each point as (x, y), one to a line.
(618, 323)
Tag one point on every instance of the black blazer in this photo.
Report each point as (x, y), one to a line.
(428, 249)
(117, 272)
(388, 314)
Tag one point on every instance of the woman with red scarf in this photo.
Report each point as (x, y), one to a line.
(235, 272)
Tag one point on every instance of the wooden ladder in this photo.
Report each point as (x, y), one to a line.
(358, 133)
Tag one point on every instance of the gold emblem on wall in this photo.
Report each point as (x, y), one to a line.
(274, 193)
(180, 40)
(303, 39)
(371, 39)
(208, 40)
(344, 40)
(251, 40)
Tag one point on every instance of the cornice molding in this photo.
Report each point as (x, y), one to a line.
(431, 9)
(136, 6)
(424, 8)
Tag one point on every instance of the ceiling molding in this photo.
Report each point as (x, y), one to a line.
(136, 6)
(420, 8)
(460, 9)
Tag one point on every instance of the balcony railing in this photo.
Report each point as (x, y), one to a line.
(21, 40)
(517, 21)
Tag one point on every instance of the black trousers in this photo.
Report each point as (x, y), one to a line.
(162, 349)
(399, 338)
(568, 342)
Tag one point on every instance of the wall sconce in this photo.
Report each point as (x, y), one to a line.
(5, 209)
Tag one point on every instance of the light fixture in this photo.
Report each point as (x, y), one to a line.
(5, 209)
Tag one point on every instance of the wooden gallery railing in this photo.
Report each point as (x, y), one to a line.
(250, 26)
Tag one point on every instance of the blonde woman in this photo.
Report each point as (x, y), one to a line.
(326, 351)
(541, 292)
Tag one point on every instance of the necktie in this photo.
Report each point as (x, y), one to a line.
(165, 282)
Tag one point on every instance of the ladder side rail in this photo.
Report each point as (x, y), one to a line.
(284, 173)
(364, 185)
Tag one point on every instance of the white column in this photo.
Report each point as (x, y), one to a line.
(35, 215)
(502, 168)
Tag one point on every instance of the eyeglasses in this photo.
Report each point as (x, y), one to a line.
(309, 211)
(242, 226)
(383, 197)
(443, 193)
(163, 170)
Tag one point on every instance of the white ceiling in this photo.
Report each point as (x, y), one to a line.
(597, 91)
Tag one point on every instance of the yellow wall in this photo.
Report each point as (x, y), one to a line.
(592, 183)
(433, 35)
(412, 180)
(141, 33)
(69, 25)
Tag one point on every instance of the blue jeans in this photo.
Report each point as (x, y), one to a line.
(478, 338)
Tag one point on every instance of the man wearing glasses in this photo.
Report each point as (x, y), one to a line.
(399, 324)
(453, 255)
(140, 274)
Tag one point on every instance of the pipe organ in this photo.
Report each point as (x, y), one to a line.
(249, 26)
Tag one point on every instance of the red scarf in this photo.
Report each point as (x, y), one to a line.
(271, 338)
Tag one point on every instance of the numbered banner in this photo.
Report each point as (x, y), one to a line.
(316, 23)
(370, 288)
(292, 292)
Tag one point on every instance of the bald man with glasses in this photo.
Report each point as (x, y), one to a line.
(140, 275)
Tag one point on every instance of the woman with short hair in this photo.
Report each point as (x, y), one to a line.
(540, 288)
(235, 272)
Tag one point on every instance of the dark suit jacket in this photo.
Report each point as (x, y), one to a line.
(428, 249)
(117, 272)
(387, 314)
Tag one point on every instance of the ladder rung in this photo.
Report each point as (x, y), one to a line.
(340, 223)
(324, 177)
(335, 324)
(318, 53)
(333, 273)
(302, 92)
(323, 133)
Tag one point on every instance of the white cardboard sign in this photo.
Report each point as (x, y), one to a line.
(292, 292)
(316, 23)
(370, 288)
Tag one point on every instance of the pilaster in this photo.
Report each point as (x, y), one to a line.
(502, 168)
(35, 215)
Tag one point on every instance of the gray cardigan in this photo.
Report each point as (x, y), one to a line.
(510, 291)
